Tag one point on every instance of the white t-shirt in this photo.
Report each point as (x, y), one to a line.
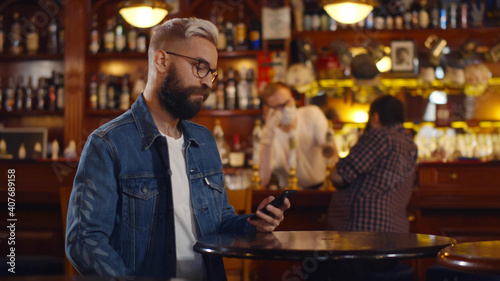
(190, 264)
(310, 130)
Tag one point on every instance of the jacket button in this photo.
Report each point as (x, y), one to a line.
(144, 189)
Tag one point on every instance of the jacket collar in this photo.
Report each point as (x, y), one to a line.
(147, 127)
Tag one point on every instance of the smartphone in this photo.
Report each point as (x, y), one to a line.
(277, 202)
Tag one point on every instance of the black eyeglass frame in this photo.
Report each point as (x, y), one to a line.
(212, 72)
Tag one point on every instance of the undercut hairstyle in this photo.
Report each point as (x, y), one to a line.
(178, 30)
(390, 110)
(270, 89)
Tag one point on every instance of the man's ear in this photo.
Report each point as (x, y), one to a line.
(161, 61)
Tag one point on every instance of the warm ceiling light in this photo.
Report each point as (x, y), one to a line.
(143, 13)
(348, 11)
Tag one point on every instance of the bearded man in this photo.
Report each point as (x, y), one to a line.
(149, 182)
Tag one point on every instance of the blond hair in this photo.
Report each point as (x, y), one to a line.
(177, 30)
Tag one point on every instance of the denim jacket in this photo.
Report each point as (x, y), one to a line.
(120, 216)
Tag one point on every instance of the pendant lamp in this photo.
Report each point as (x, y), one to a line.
(348, 11)
(143, 13)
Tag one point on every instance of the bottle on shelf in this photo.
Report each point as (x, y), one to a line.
(10, 100)
(93, 92)
(254, 37)
(220, 91)
(94, 44)
(120, 38)
(41, 94)
(32, 38)
(443, 18)
(221, 38)
(109, 37)
(61, 39)
(132, 39)
(229, 36)
(415, 10)
(139, 85)
(464, 15)
(256, 138)
(30, 96)
(142, 45)
(19, 94)
(111, 92)
(237, 155)
(240, 41)
(435, 20)
(221, 143)
(102, 98)
(125, 94)
(52, 42)
(2, 36)
(16, 47)
(60, 91)
(254, 93)
(52, 93)
(243, 90)
(423, 16)
(453, 15)
(230, 90)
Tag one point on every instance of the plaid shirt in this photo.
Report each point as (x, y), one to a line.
(379, 172)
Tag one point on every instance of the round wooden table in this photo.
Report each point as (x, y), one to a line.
(475, 257)
(324, 245)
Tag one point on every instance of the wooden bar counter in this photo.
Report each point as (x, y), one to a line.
(459, 200)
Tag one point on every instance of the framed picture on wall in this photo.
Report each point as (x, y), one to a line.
(403, 56)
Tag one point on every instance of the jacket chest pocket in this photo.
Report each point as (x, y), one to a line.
(141, 201)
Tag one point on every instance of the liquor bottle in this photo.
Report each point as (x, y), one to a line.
(32, 38)
(125, 94)
(237, 155)
(60, 91)
(378, 18)
(19, 93)
(16, 47)
(254, 37)
(315, 19)
(435, 16)
(52, 92)
(254, 93)
(230, 90)
(423, 16)
(21, 154)
(10, 99)
(240, 41)
(221, 38)
(132, 39)
(2, 36)
(41, 94)
(109, 36)
(453, 15)
(142, 46)
(221, 143)
(407, 16)
(52, 42)
(443, 17)
(369, 22)
(120, 38)
(102, 99)
(30, 96)
(111, 92)
(256, 139)
(242, 89)
(94, 36)
(464, 15)
(93, 91)
(220, 91)
(139, 85)
(415, 10)
(325, 21)
(229, 37)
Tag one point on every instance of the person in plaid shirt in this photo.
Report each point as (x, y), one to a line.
(374, 182)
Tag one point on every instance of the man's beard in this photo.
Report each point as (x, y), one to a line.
(175, 99)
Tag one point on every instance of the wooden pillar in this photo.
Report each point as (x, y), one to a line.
(75, 24)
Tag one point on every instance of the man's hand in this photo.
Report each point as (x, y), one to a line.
(267, 223)
(273, 119)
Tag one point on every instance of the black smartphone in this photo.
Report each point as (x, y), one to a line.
(277, 202)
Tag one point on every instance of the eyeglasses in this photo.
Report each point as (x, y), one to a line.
(202, 68)
(280, 106)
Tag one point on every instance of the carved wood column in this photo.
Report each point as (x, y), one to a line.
(75, 24)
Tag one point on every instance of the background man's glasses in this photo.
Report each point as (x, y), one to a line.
(202, 68)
